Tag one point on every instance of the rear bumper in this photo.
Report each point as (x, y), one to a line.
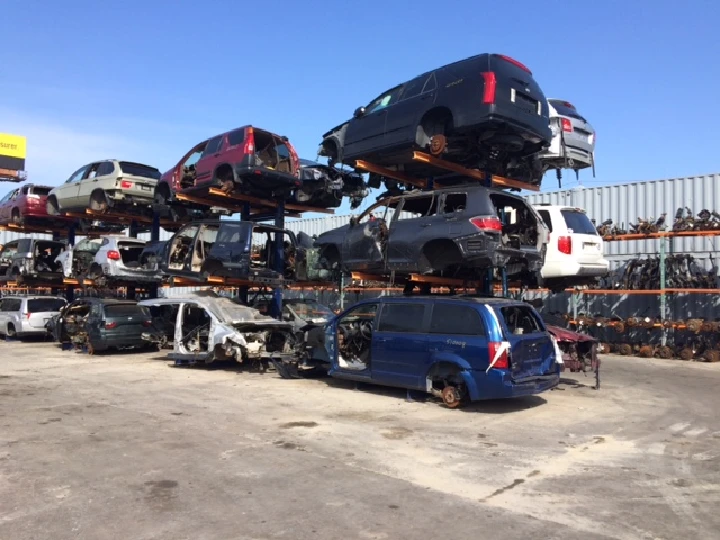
(507, 119)
(580, 153)
(132, 197)
(574, 268)
(498, 384)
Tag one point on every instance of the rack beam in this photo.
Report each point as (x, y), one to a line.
(216, 192)
(661, 234)
(34, 228)
(497, 181)
(389, 173)
(10, 175)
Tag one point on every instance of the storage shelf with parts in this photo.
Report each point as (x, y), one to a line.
(661, 292)
(444, 168)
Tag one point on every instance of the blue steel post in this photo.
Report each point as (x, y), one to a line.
(244, 216)
(70, 290)
(276, 305)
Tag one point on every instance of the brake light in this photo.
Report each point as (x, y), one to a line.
(490, 86)
(498, 357)
(515, 63)
(110, 325)
(28, 315)
(249, 146)
(565, 244)
(487, 224)
(566, 125)
(126, 184)
(569, 105)
(147, 323)
(113, 255)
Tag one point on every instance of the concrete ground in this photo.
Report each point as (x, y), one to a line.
(123, 446)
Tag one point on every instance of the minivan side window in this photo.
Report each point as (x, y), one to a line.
(457, 320)
(10, 304)
(545, 215)
(521, 320)
(401, 318)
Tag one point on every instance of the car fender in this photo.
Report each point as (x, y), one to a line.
(464, 367)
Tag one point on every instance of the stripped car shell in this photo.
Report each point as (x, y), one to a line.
(204, 327)
(579, 351)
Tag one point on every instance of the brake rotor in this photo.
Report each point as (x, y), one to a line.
(437, 144)
(451, 397)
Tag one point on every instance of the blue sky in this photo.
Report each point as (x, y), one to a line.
(86, 80)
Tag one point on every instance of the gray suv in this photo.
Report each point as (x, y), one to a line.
(451, 232)
(28, 315)
(105, 184)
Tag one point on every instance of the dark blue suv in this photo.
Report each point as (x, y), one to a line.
(459, 348)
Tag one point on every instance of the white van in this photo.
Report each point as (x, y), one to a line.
(575, 251)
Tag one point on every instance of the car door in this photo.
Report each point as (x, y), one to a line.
(6, 256)
(363, 246)
(407, 231)
(67, 193)
(416, 97)
(100, 175)
(6, 206)
(400, 352)
(209, 159)
(366, 131)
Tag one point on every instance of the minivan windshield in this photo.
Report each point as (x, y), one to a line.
(578, 222)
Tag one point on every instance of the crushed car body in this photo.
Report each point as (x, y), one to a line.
(203, 327)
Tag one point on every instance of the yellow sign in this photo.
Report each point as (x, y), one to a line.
(13, 145)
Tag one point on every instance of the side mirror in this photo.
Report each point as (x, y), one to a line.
(360, 111)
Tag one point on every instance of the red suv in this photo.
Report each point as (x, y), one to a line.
(25, 204)
(247, 160)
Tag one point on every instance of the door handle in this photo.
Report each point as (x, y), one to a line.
(425, 224)
(216, 155)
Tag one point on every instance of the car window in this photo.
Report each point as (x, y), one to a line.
(282, 151)
(77, 175)
(25, 190)
(521, 320)
(388, 98)
(10, 304)
(457, 320)
(413, 88)
(138, 169)
(564, 108)
(9, 250)
(6, 198)
(40, 191)
(91, 245)
(236, 137)
(545, 215)
(416, 207)
(126, 310)
(38, 305)
(430, 83)
(401, 318)
(454, 202)
(578, 222)
(213, 146)
(105, 168)
(363, 312)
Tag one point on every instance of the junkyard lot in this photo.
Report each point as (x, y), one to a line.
(123, 446)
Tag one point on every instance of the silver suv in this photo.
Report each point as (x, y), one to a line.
(105, 184)
(108, 257)
(573, 142)
(28, 315)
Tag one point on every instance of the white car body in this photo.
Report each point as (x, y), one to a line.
(575, 251)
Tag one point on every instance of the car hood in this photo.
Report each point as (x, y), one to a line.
(563, 334)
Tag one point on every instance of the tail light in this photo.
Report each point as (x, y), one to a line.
(569, 105)
(28, 314)
(515, 63)
(110, 325)
(113, 255)
(498, 349)
(490, 86)
(566, 125)
(125, 184)
(487, 224)
(147, 323)
(565, 244)
(249, 146)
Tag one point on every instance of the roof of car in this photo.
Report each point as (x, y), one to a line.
(460, 298)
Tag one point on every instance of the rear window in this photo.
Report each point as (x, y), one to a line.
(401, 318)
(126, 310)
(41, 191)
(456, 320)
(520, 320)
(545, 215)
(562, 109)
(578, 222)
(136, 169)
(39, 305)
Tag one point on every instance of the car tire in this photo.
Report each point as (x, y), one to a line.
(11, 332)
(51, 207)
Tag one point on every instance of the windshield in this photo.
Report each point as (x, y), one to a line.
(578, 222)
(311, 310)
(564, 108)
(136, 169)
(39, 305)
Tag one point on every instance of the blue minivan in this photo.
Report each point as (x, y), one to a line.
(458, 348)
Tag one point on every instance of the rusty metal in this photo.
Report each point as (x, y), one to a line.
(604, 348)
(668, 323)
(632, 321)
(451, 397)
(694, 325)
(711, 355)
(664, 352)
(687, 354)
(438, 143)
(646, 351)
(706, 327)
(625, 349)
(618, 326)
